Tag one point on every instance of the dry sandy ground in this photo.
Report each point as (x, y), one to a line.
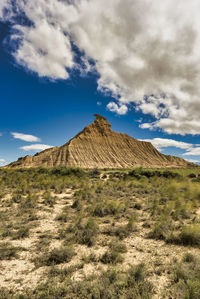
(157, 255)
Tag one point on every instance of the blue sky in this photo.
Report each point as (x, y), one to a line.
(54, 106)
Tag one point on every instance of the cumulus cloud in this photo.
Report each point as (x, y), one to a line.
(145, 52)
(5, 11)
(193, 161)
(193, 152)
(119, 109)
(191, 149)
(3, 162)
(35, 147)
(160, 143)
(25, 137)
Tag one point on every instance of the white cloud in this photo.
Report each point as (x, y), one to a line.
(193, 161)
(119, 109)
(46, 50)
(139, 48)
(191, 149)
(5, 9)
(35, 147)
(193, 152)
(179, 126)
(3, 162)
(25, 137)
(164, 142)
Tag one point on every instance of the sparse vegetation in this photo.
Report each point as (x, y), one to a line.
(189, 236)
(104, 208)
(8, 251)
(186, 280)
(83, 231)
(64, 215)
(114, 254)
(56, 256)
(83, 234)
(21, 233)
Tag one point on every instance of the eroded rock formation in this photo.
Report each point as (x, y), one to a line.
(97, 146)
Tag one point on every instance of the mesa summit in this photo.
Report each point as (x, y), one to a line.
(97, 146)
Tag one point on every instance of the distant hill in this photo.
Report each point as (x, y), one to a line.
(97, 146)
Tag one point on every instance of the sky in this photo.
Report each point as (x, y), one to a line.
(136, 62)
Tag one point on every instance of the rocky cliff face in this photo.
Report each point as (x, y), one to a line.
(97, 146)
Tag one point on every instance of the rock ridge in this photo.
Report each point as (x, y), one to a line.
(97, 146)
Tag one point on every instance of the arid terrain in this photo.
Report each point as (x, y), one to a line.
(97, 146)
(70, 233)
(99, 149)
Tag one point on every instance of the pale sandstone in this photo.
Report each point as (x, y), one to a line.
(97, 146)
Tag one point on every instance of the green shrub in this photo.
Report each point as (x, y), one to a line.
(187, 279)
(91, 258)
(118, 246)
(193, 289)
(21, 233)
(84, 231)
(77, 204)
(56, 256)
(111, 257)
(161, 230)
(64, 215)
(190, 235)
(192, 175)
(170, 175)
(189, 258)
(124, 231)
(68, 171)
(95, 173)
(85, 193)
(139, 172)
(17, 197)
(62, 273)
(136, 273)
(48, 199)
(106, 207)
(111, 284)
(8, 251)
(27, 204)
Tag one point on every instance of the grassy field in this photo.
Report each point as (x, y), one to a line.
(70, 233)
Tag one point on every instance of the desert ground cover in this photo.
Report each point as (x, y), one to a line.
(70, 233)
